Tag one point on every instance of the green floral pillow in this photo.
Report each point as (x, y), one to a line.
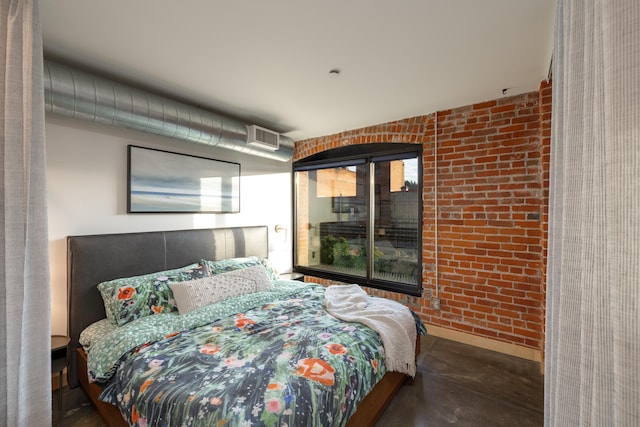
(231, 264)
(131, 298)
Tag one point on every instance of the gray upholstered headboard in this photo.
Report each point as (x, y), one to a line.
(96, 258)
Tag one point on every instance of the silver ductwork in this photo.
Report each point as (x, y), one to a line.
(78, 94)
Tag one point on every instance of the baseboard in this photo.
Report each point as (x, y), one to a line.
(486, 343)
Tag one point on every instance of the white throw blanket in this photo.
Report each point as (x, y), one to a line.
(392, 320)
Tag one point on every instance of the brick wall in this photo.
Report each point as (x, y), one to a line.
(493, 177)
(545, 149)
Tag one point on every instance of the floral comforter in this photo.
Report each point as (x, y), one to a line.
(279, 361)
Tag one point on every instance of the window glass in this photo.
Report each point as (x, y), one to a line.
(331, 219)
(396, 221)
(358, 218)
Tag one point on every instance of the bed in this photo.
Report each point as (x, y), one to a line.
(307, 358)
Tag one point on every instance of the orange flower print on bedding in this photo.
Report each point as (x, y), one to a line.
(134, 414)
(157, 309)
(316, 370)
(274, 386)
(335, 348)
(242, 321)
(374, 365)
(126, 293)
(209, 349)
(145, 385)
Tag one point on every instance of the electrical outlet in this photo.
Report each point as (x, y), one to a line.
(436, 304)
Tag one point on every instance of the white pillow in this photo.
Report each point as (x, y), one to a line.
(198, 293)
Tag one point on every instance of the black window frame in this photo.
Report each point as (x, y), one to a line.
(368, 154)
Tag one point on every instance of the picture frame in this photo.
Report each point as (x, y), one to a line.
(161, 181)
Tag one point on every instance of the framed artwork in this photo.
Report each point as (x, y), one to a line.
(164, 182)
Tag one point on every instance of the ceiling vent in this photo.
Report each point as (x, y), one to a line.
(263, 138)
(74, 93)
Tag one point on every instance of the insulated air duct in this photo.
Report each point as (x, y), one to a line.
(78, 94)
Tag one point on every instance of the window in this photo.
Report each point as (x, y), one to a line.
(358, 216)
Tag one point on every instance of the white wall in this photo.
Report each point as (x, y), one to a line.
(86, 178)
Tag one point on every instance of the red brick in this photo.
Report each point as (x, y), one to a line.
(484, 105)
(493, 170)
(503, 108)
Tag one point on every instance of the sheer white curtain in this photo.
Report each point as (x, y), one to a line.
(592, 370)
(25, 385)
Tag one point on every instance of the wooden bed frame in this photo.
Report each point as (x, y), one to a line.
(96, 258)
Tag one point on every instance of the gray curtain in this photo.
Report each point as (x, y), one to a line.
(25, 372)
(592, 357)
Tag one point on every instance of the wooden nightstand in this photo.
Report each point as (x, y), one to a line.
(293, 276)
(59, 345)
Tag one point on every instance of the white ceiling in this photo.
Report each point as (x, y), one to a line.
(268, 62)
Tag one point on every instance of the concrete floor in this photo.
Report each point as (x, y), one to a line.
(462, 385)
(456, 384)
